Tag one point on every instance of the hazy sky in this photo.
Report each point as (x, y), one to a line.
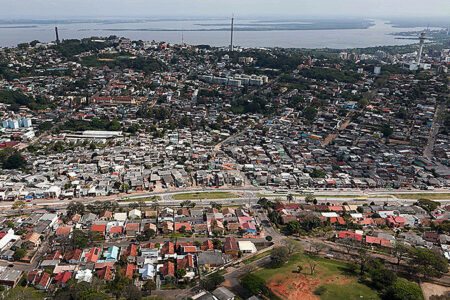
(155, 8)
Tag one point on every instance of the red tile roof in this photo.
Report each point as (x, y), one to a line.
(349, 235)
(63, 277)
(98, 228)
(168, 269)
(129, 271)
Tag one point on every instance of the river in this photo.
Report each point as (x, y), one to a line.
(211, 32)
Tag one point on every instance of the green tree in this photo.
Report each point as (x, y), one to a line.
(14, 161)
(403, 289)
(74, 208)
(212, 281)
(19, 254)
(428, 205)
(79, 239)
(117, 286)
(254, 284)
(428, 263)
(310, 114)
(149, 286)
(387, 130)
(279, 256)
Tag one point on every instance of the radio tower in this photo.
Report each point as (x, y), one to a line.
(232, 32)
(422, 39)
(57, 35)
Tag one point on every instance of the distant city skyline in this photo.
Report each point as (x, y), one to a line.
(196, 8)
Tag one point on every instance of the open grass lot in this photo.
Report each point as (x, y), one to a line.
(204, 195)
(431, 196)
(338, 283)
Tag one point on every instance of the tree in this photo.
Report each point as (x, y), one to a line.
(279, 256)
(212, 281)
(18, 205)
(269, 238)
(310, 113)
(292, 246)
(19, 254)
(117, 286)
(403, 289)
(309, 198)
(400, 250)
(363, 259)
(79, 239)
(149, 286)
(132, 292)
(428, 263)
(180, 273)
(14, 161)
(293, 227)
(124, 188)
(254, 284)
(217, 244)
(428, 205)
(74, 208)
(317, 247)
(312, 264)
(387, 130)
(309, 222)
(380, 277)
(290, 198)
(265, 203)
(215, 205)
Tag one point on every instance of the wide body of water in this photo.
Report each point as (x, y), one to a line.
(203, 32)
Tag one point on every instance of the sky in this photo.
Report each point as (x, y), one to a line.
(193, 8)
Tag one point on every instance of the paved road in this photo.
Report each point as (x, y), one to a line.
(249, 196)
(428, 151)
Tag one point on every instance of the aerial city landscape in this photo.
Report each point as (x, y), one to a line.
(224, 157)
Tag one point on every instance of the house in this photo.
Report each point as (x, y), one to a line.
(183, 227)
(168, 269)
(222, 293)
(92, 255)
(106, 215)
(168, 250)
(395, 221)
(129, 270)
(132, 229)
(63, 231)
(115, 232)
(99, 228)
(210, 260)
(105, 273)
(73, 256)
(31, 240)
(120, 216)
(350, 235)
(247, 247)
(43, 281)
(62, 278)
(231, 246)
(84, 275)
(135, 214)
(147, 272)
(10, 277)
(111, 254)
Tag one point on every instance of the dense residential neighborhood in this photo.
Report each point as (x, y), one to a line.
(133, 169)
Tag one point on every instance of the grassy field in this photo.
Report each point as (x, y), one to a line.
(338, 283)
(430, 196)
(147, 199)
(204, 195)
